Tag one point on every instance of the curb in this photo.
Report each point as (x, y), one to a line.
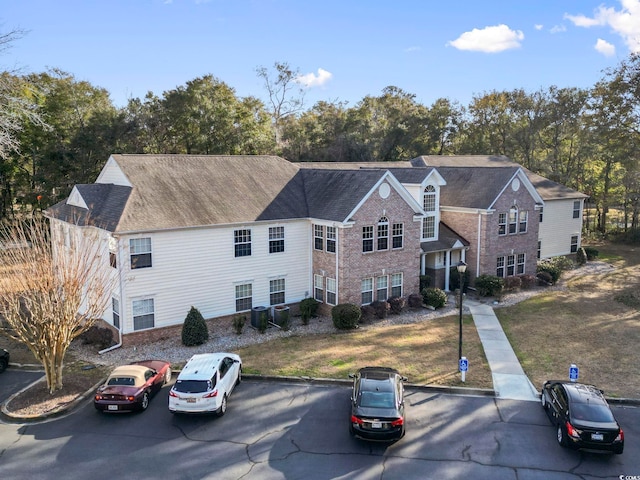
(11, 417)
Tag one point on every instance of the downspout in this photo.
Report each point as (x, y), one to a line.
(478, 247)
(338, 237)
(119, 344)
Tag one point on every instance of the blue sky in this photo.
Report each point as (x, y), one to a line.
(344, 50)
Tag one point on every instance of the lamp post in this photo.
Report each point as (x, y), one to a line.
(462, 267)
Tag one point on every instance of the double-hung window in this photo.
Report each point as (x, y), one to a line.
(429, 199)
(502, 224)
(143, 314)
(511, 265)
(576, 209)
(244, 299)
(429, 227)
(331, 291)
(366, 288)
(520, 263)
(318, 288)
(522, 224)
(276, 291)
(140, 251)
(396, 285)
(115, 309)
(397, 235)
(382, 284)
(331, 239)
(367, 238)
(574, 243)
(318, 237)
(276, 239)
(500, 267)
(242, 242)
(113, 252)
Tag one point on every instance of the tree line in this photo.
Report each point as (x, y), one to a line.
(57, 131)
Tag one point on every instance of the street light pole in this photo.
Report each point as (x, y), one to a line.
(462, 267)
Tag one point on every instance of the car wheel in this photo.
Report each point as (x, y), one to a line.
(562, 436)
(223, 406)
(167, 376)
(619, 450)
(145, 401)
(3, 364)
(543, 400)
(239, 379)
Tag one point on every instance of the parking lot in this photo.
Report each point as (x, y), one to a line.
(278, 430)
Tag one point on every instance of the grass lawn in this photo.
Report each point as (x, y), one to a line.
(594, 323)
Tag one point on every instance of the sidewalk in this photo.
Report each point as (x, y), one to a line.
(509, 380)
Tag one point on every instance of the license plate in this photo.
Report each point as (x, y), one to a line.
(112, 407)
(597, 436)
(376, 424)
(191, 400)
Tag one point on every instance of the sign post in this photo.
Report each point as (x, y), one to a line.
(464, 366)
(573, 372)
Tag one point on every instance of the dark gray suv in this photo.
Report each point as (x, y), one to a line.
(4, 360)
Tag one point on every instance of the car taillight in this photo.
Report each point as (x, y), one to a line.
(212, 394)
(572, 432)
(130, 398)
(98, 397)
(355, 419)
(173, 394)
(397, 422)
(620, 437)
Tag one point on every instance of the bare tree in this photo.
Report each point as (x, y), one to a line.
(286, 95)
(51, 292)
(17, 105)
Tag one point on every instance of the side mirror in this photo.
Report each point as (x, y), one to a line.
(352, 375)
(405, 379)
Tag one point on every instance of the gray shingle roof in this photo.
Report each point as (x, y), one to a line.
(447, 238)
(474, 187)
(105, 203)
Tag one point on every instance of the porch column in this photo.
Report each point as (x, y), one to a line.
(447, 270)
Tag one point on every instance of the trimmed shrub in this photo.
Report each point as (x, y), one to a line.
(285, 320)
(435, 297)
(592, 253)
(489, 285)
(381, 308)
(367, 312)
(512, 283)
(415, 300)
(550, 268)
(238, 323)
(425, 282)
(194, 329)
(308, 309)
(581, 256)
(345, 316)
(528, 281)
(98, 336)
(397, 305)
(544, 278)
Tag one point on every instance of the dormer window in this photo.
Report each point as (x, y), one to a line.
(429, 199)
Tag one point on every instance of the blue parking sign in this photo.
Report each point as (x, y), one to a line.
(573, 372)
(464, 364)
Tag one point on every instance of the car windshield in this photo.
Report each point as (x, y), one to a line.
(126, 381)
(377, 399)
(592, 413)
(192, 386)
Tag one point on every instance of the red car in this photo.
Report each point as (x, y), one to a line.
(130, 387)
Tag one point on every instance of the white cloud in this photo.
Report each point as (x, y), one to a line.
(412, 49)
(605, 48)
(313, 80)
(489, 39)
(624, 22)
(537, 26)
(558, 29)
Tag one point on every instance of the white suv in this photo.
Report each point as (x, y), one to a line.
(205, 383)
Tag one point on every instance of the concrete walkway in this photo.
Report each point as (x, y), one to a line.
(509, 380)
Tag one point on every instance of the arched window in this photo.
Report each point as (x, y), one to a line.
(429, 199)
(383, 233)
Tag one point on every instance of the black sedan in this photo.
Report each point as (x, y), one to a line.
(377, 404)
(582, 416)
(4, 359)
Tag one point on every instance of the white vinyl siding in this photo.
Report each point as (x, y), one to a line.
(558, 227)
(180, 279)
